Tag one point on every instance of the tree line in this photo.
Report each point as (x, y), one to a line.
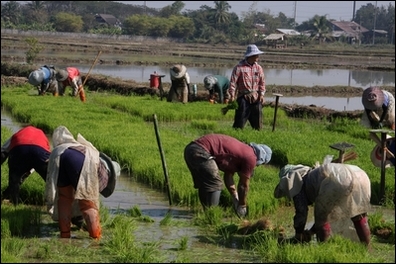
(209, 24)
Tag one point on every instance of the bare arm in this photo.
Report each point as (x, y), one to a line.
(230, 185)
(243, 189)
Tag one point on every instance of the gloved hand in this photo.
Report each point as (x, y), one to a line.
(241, 210)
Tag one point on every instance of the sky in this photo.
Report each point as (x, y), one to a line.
(303, 10)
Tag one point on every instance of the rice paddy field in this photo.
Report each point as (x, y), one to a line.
(127, 128)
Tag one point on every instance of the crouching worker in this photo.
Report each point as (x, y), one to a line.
(71, 77)
(45, 79)
(328, 187)
(77, 173)
(26, 150)
(211, 153)
(217, 84)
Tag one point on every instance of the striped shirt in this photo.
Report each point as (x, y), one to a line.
(246, 78)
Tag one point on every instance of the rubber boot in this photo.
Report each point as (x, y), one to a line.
(323, 232)
(91, 217)
(65, 201)
(362, 229)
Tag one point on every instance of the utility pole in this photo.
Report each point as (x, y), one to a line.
(354, 9)
(375, 21)
(145, 12)
(295, 11)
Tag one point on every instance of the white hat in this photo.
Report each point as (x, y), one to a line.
(252, 50)
(209, 82)
(36, 77)
(178, 71)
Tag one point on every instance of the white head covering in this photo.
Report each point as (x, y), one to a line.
(209, 82)
(291, 180)
(252, 50)
(178, 71)
(263, 153)
(36, 77)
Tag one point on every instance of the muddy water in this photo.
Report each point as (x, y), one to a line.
(129, 193)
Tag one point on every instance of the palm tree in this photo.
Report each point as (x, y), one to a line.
(322, 29)
(221, 15)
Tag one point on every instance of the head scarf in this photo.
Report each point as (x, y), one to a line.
(263, 153)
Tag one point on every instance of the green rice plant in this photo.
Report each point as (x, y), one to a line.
(382, 227)
(166, 220)
(183, 243)
(21, 219)
(123, 247)
(135, 211)
(211, 216)
(12, 249)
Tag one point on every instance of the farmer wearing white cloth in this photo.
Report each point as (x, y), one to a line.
(77, 173)
(337, 191)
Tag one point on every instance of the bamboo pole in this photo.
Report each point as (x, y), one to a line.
(162, 159)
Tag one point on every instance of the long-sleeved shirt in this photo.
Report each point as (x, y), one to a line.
(220, 87)
(247, 78)
(73, 80)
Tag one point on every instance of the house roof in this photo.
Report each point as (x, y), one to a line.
(109, 19)
(351, 28)
(289, 32)
(274, 37)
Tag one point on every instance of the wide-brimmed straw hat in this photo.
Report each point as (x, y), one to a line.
(61, 75)
(373, 98)
(178, 71)
(252, 50)
(115, 170)
(36, 77)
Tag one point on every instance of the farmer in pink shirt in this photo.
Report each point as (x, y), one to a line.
(247, 86)
(70, 77)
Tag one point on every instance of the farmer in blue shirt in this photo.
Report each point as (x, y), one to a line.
(217, 84)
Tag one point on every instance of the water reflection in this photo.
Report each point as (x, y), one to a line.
(298, 77)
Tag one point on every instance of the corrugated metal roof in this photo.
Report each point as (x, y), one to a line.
(351, 28)
(274, 37)
(289, 32)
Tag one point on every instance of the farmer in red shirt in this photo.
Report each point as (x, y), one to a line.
(247, 85)
(27, 149)
(208, 154)
(70, 77)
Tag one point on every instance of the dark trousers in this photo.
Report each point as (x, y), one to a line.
(70, 166)
(21, 160)
(248, 112)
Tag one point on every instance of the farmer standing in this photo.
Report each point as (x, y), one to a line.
(217, 84)
(44, 79)
(27, 149)
(77, 173)
(379, 108)
(71, 77)
(247, 85)
(337, 191)
(180, 83)
(210, 153)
